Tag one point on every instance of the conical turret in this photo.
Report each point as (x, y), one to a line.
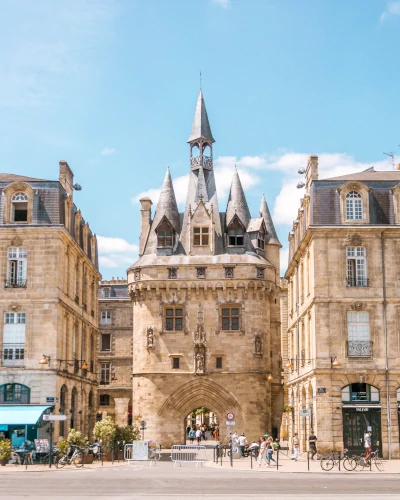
(201, 127)
(237, 203)
(264, 212)
(167, 206)
(201, 186)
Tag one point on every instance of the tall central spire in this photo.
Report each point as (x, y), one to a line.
(201, 129)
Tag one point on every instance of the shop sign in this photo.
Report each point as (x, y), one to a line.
(361, 408)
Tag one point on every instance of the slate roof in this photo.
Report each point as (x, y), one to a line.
(264, 212)
(201, 127)
(369, 175)
(237, 203)
(15, 178)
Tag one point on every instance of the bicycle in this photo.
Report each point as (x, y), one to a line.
(76, 457)
(328, 463)
(362, 462)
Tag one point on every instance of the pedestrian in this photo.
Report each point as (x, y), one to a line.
(262, 452)
(270, 451)
(367, 444)
(235, 442)
(295, 445)
(198, 435)
(242, 443)
(191, 435)
(216, 434)
(203, 432)
(312, 442)
(188, 430)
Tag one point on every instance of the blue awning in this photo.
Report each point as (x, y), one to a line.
(21, 415)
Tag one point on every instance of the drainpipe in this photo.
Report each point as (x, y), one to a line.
(386, 343)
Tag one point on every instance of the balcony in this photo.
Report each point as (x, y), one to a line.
(201, 161)
(359, 349)
(359, 282)
(13, 355)
(15, 284)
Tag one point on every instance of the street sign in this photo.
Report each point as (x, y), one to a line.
(304, 412)
(50, 400)
(230, 423)
(49, 418)
(230, 415)
(143, 424)
(321, 390)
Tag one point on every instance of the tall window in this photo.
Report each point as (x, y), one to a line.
(106, 293)
(105, 373)
(14, 339)
(16, 267)
(105, 317)
(165, 235)
(106, 342)
(14, 394)
(200, 236)
(104, 400)
(359, 344)
(235, 237)
(230, 318)
(174, 319)
(19, 207)
(356, 266)
(261, 240)
(354, 209)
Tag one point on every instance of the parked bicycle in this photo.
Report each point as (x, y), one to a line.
(361, 462)
(348, 463)
(96, 450)
(74, 455)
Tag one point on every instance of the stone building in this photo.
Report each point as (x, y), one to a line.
(205, 291)
(115, 351)
(343, 330)
(48, 305)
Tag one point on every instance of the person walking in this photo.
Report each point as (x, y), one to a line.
(295, 445)
(312, 443)
(367, 444)
(262, 452)
(242, 443)
(191, 435)
(270, 451)
(198, 436)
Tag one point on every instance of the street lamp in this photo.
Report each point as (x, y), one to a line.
(270, 377)
(45, 360)
(334, 362)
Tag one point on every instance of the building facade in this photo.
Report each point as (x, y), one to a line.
(343, 333)
(115, 351)
(48, 304)
(205, 291)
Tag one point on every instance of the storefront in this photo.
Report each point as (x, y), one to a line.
(361, 413)
(21, 422)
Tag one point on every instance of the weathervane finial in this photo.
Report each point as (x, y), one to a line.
(200, 79)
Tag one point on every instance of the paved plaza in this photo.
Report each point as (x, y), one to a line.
(142, 481)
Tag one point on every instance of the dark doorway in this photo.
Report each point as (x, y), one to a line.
(356, 422)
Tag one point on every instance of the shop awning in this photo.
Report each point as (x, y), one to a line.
(21, 415)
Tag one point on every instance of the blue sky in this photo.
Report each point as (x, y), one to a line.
(111, 87)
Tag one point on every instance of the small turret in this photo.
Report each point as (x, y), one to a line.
(264, 212)
(237, 203)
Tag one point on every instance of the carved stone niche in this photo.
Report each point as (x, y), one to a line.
(358, 306)
(150, 337)
(257, 346)
(14, 306)
(199, 359)
(354, 240)
(16, 242)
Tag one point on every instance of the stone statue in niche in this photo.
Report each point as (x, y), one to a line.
(150, 338)
(200, 362)
(257, 345)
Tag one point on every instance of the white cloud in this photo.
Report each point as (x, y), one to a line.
(222, 3)
(392, 9)
(116, 252)
(108, 151)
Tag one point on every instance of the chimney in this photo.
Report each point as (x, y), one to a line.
(145, 212)
(66, 177)
(311, 171)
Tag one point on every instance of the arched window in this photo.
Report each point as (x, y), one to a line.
(14, 394)
(398, 395)
(63, 397)
(354, 208)
(74, 397)
(360, 393)
(19, 207)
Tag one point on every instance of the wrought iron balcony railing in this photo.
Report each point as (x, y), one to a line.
(359, 349)
(357, 282)
(201, 161)
(15, 284)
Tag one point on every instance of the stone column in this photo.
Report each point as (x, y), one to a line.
(121, 411)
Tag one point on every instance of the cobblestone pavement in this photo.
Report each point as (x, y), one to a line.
(140, 481)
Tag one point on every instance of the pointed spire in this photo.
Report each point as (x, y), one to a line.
(264, 212)
(237, 203)
(201, 127)
(201, 190)
(167, 205)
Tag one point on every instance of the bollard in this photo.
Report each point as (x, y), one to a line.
(251, 460)
(308, 459)
(370, 462)
(113, 452)
(221, 457)
(102, 455)
(277, 459)
(339, 459)
(83, 457)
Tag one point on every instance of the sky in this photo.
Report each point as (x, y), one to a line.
(111, 87)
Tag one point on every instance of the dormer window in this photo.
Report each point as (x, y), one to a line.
(261, 240)
(236, 237)
(200, 236)
(165, 235)
(354, 208)
(19, 207)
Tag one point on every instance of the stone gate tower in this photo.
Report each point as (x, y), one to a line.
(205, 294)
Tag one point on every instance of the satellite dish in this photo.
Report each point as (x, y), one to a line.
(77, 187)
(300, 185)
(301, 170)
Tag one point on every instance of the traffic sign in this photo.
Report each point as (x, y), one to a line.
(304, 412)
(143, 424)
(230, 415)
(48, 418)
(230, 423)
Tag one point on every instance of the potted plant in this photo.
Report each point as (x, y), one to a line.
(75, 438)
(5, 451)
(104, 431)
(125, 434)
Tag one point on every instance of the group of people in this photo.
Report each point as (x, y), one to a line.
(312, 444)
(266, 450)
(198, 433)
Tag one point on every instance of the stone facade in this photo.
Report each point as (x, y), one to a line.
(343, 308)
(115, 351)
(48, 299)
(205, 294)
